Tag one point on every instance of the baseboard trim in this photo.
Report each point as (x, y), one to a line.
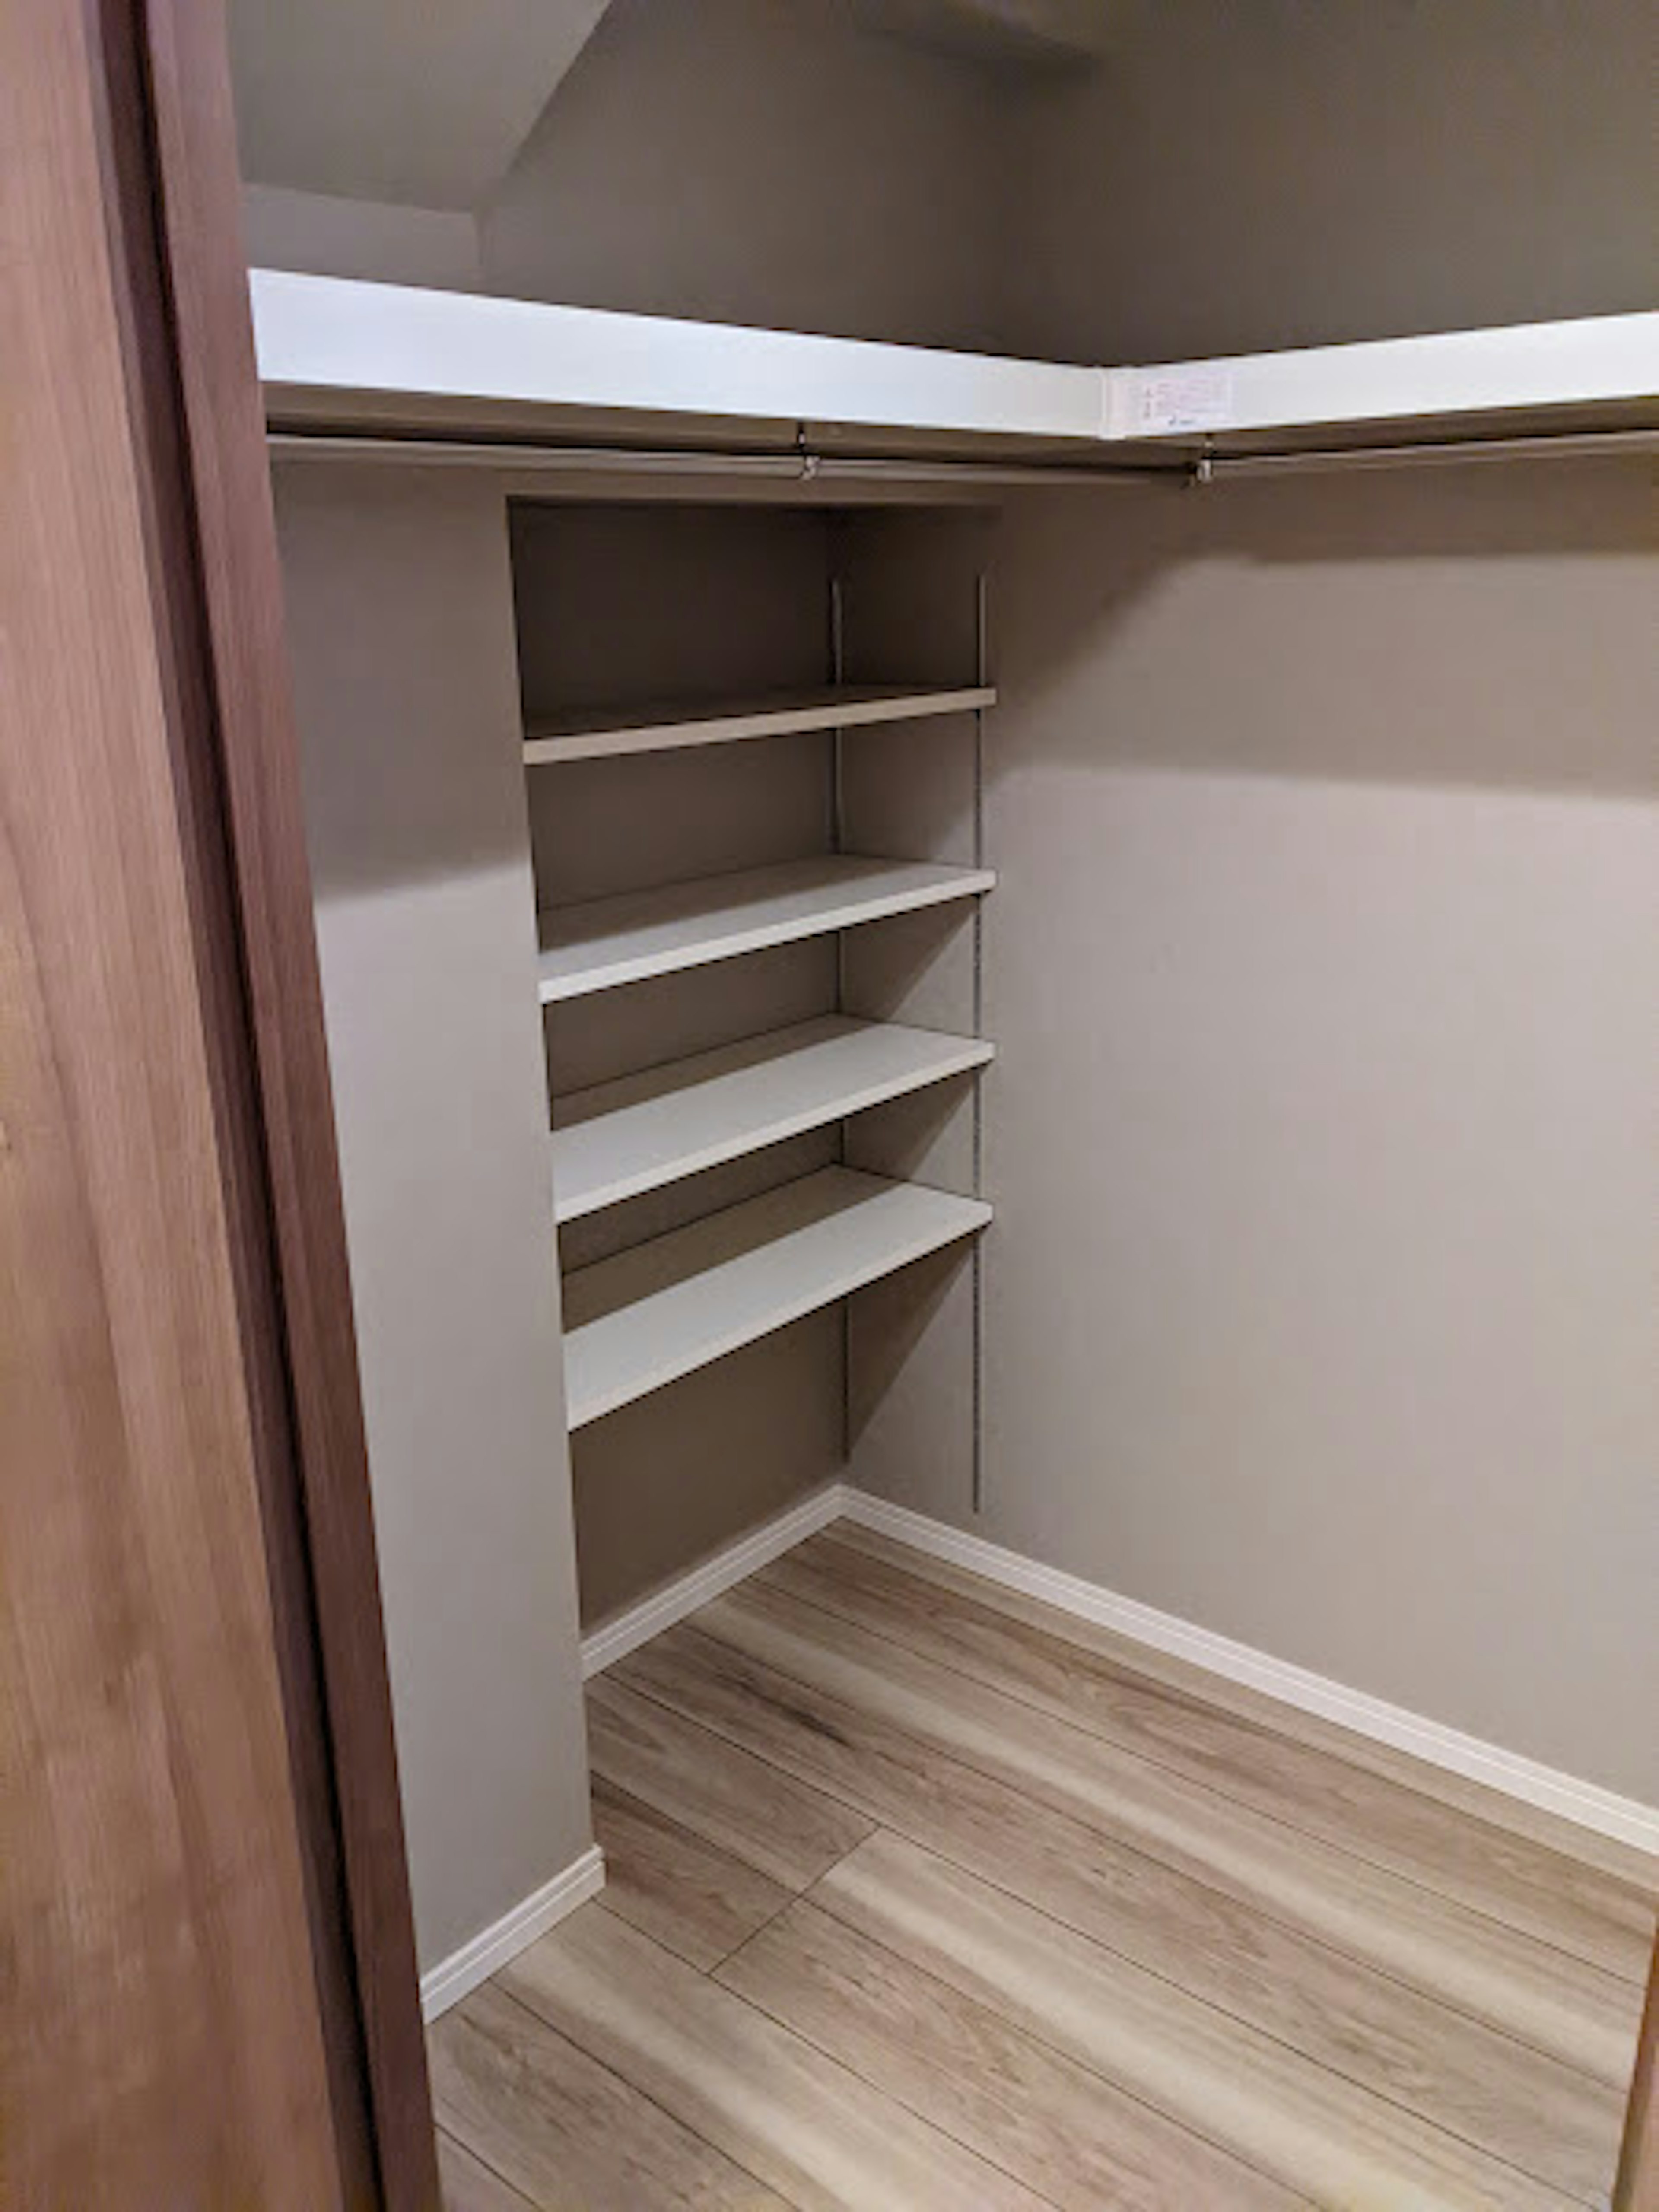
(1585, 1803)
(450, 1980)
(625, 1632)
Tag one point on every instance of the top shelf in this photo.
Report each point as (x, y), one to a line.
(594, 732)
(341, 355)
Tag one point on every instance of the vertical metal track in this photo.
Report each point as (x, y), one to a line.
(981, 663)
(838, 843)
(837, 677)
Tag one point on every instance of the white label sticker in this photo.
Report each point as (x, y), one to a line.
(1196, 398)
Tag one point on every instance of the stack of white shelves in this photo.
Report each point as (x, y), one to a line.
(660, 1310)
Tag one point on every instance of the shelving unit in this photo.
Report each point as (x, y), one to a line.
(662, 728)
(602, 943)
(618, 1139)
(650, 1316)
(643, 1317)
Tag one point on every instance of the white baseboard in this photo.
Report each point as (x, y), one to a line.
(452, 1977)
(625, 1632)
(1583, 1802)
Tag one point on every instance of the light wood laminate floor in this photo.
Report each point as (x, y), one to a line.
(923, 1895)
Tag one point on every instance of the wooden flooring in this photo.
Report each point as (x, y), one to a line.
(923, 1895)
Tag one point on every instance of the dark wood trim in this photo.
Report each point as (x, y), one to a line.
(1637, 2186)
(322, 1535)
(179, 2026)
(143, 307)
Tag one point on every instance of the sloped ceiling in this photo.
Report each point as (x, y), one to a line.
(425, 103)
(422, 104)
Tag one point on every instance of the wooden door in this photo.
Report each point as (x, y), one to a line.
(210, 1984)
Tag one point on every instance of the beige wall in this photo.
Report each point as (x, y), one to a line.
(326, 236)
(762, 161)
(1301, 172)
(1322, 971)
(1323, 965)
(400, 629)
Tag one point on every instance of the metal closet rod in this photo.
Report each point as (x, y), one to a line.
(1539, 445)
(797, 466)
(803, 465)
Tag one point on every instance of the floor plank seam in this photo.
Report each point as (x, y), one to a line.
(795, 1897)
(1194, 1997)
(1635, 1979)
(677, 2119)
(1141, 1851)
(461, 2143)
(884, 2087)
(1070, 1928)
(827, 1905)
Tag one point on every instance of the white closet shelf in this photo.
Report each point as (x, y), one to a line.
(648, 1317)
(347, 352)
(603, 943)
(661, 728)
(341, 354)
(617, 1139)
(1519, 377)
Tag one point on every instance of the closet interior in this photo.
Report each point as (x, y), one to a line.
(1026, 925)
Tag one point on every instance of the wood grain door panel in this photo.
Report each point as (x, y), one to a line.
(208, 1969)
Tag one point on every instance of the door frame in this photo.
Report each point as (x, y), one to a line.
(196, 200)
(142, 481)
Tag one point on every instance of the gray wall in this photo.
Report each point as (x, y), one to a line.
(326, 236)
(1301, 172)
(1323, 964)
(763, 162)
(401, 635)
(1323, 970)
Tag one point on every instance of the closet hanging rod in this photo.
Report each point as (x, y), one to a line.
(1538, 445)
(797, 466)
(803, 466)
